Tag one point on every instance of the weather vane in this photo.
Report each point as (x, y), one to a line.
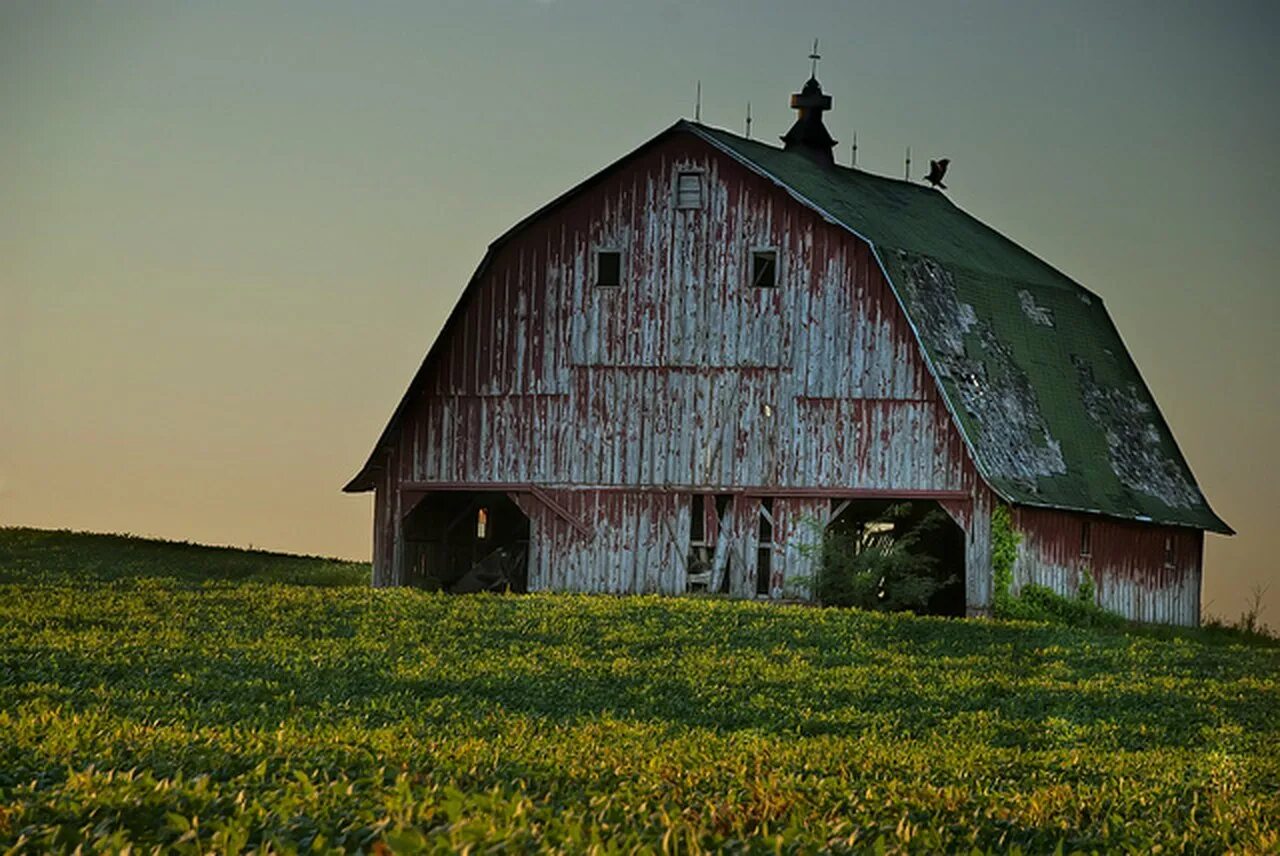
(814, 57)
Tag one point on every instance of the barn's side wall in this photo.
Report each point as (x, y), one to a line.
(1143, 571)
(624, 401)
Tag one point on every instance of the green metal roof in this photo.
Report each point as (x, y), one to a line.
(1029, 361)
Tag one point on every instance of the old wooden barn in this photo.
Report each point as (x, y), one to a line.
(675, 374)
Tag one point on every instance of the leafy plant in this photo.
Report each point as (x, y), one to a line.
(1041, 603)
(1004, 552)
(1035, 602)
(1088, 591)
(882, 564)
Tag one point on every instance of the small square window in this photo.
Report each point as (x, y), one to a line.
(689, 191)
(764, 268)
(608, 268)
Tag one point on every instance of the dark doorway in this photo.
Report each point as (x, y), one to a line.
(473, 541)
(935, 534)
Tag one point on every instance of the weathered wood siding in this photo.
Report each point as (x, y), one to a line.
(974, 517)
(626, 400)
(1143, 571)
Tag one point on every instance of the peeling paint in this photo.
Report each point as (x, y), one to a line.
(623, 401)
(1142, 572)
(620, 403)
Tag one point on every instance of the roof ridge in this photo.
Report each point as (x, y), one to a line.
(839, 166)
(924, 193)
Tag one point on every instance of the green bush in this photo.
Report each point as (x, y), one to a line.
(1041, 603)
(870, 567)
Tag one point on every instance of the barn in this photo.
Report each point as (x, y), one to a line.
(676, 374)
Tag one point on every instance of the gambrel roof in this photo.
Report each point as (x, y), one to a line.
(1041, 386)
(1044, 391)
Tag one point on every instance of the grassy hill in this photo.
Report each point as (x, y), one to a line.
(39, 556)
(210, 699)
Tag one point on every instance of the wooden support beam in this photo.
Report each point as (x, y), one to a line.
(720, 558)
(413, 492)
(839, 509)
(904, 494)
(559, 510)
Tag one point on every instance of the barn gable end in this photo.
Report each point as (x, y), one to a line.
(686, 379)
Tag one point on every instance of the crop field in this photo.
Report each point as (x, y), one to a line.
(206, 700)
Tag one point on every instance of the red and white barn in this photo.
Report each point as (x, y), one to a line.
(673, 375)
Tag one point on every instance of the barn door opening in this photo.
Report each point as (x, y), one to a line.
(919, 526)
(467, 542)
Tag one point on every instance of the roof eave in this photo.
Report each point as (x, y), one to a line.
(362, 482)
(1221, 527)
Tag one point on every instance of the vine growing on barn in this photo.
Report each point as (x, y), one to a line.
(1004, 551)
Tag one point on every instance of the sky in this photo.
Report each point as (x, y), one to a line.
(230, 231)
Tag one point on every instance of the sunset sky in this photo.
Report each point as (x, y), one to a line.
(230, 230)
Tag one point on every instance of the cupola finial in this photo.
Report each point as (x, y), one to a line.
(808, 134)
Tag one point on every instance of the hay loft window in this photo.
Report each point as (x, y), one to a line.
(1086, 539)
(764, 268)
(608, 268)
(689, 191)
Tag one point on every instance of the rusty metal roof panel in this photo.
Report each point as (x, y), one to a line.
(1032, 366)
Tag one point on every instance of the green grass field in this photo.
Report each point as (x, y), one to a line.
(215, 700)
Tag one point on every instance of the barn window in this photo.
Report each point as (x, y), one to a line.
(608, 268)
(1086, 538)
(697, 521)
(482, 524)
(689, 191)
(703, 528)
(1170, 552)
(764, 554)
(764, 268)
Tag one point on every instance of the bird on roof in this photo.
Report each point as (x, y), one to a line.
(937, 169)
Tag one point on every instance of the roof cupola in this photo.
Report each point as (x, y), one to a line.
(808, 135)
